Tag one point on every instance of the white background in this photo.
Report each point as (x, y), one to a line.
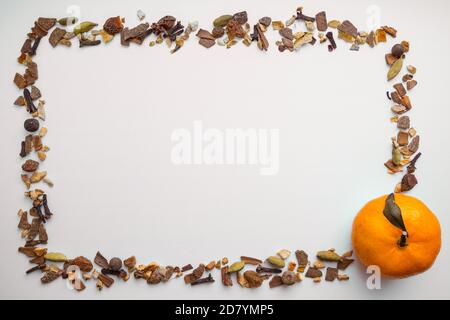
(111, 112)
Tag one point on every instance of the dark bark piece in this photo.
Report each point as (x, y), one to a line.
(321, 21)
(413, 147)
(276, 281)
(208, 279)
(254, 280)
(409, 181)
(32, 70)
(136, 31)
(205, 34)
(20, 81)
(263, 43)
(348, 28)
(124, 42)
(56, 36)
(331, 274)
(302, 257)
(265, 21)
(35, 93)
(26, 47)
(23, 223)
(411, 84)
(35, 46)
(226, 277)
(396, 97)
(313, 273)
(400, 89)
(301, 16)
(403, 123)
(330, 37)
(30, 166)
(287, 33)
(218, 32)
(207, 43)
(43, 237)
(186, 268)
(50, 276)
(241, 17)
(344, 263)
(28, 251)
(20, 102)
(38, 31)
(101, 261)
(106, 280)
(46, 23)
(250, 260)
(371, 39)
(403, 138)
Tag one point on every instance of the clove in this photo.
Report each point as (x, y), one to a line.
(35, 46)
(36, 268)
(208, 279)
(330, 37)
(31, 108)
(412, 165)
(47, 211)
(301, 16)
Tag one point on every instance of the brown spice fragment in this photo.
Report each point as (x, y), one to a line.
(390, 59)
(218, 32)
(136, 31)
(313, 273)
(400, 89)
(302, 259)
(101, 261)
(265, 21)
(46, 23)
(208, 279)
(130, 263)
(207, 43)
(23, 223)
(106, 280)
(195, 275)
(30, 166)
(254, 280)
(331, 274)
(276, 281)
(344, 263)
(186, 268)
(263, 44)
(409, 181)
(413, 147)
(226, 277)
(250, 260)
(287, 33)
(50, 276)
(321, 21)
(28, 251)
(26, 47)
(56, 36)
(43, 237)
(83, 263)
(113, 25)
(391, 31)
(205, 34)
(20, 81)
(403, 123)
(402, 138)
(348, 28)
(411, 84)
(370, 40)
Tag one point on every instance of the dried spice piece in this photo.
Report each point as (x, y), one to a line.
(113, 25)
(348, 28)
(226, 277)
(380, 36)
(237, 266)
(390, 59)
(254, 280)
(331, 274)
(130, 263)
(395, 69)
(400, 89)
(402, 138)
(68, 21)
(241, 17)
(313, 273)
(328, 255)
(265, 21)
(218, 32)
(43, 236)
(301, 16)
(195, 275)
(23, 223)
(261, 269)
(321, 21)
(207, 43)
(84, 27)
(208, 279)
(263, 44)
(409, 181)
(398, 109)
(396, 155)
(287, 33)
(37, 176)
(250, 260)
(276, 281)
(344, 263)
(83, 263)
(89, 43)
(50, 276)
(413, 147)
(411, 69)
(31, 125)
(391, 31)
(403, 123)
(46, 23)
(20, 81)
(276, 261)
(55, 257)
(302, 259)
(407, 77)
(56, 36)
(115, 264)
(106, 280)
(101, 261)
(284, 254)
(30, 166)
(398, 51)
(411, 84)
(289, 278)
(277, 25)
(222, 21)
(330, 37)
(186, 268)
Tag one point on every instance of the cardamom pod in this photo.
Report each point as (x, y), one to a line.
(222, 20)
(276, 261)
(55, 257)
(396, 156)
(68, 21)
(395, 69)
(328, 256)
(84, 27)
(237, 266)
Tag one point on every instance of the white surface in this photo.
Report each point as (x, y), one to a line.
(111, 112)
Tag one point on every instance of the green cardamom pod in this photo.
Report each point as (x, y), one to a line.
(328, 256)
(395, 69)
(235, 267)
(55, 257)
(84, 27)
(396, 156)
(68, 21)
(276, 261)
(222, 21)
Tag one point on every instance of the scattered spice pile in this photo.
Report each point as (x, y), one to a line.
(227, 31)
